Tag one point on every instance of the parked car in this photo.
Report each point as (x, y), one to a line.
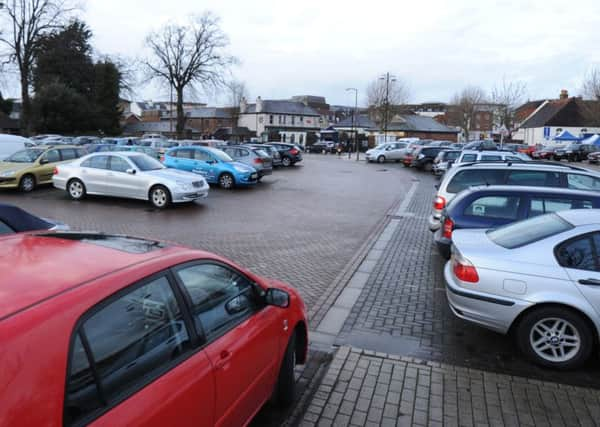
(100, 148)
(140, 332)
(485, 144)
(444, 160)
(26, 169)
(457, 146)
(10, 144)
(290, 153)
(213, 164)
(15, 220)
(575, 152)
(423, 157)
(493, 206)
(390, 151)
(86, 140)
(468, 156)
(535, 279)
(594, 157)
(322, 147)
(139, 149)
(270, 150)
(408, 154)
(253, 157)
(128, 175)
(526, 149)
(536, 174)
(544, 153)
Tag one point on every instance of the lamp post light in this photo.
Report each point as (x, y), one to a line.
(354, 122)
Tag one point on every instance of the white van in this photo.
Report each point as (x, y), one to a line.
(10, 144)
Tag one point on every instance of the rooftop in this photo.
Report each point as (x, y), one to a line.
(283, 107)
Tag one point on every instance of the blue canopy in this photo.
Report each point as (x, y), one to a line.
(565, 135)
(594, 139)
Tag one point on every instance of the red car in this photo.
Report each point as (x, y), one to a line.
(113, 330)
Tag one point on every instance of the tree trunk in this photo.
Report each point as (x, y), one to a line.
(180, 115)
(25, 104)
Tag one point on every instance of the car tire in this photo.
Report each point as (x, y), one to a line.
(226, 181)
(285, 388)
(160, 197)
(428, 167)
(540, 338)
(286, 161)
(381, 159)
(27, 183)
(76, 189)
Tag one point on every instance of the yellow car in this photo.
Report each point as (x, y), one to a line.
(28, 168)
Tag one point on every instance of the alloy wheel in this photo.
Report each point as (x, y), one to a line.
(554, 339)
(27, 183)
(76, 189)
(159, 197)
(226, 181)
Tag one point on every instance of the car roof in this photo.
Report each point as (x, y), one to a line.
(579, 217)
(532, 165)
(519, 189)
(38, 266)
(491, 152)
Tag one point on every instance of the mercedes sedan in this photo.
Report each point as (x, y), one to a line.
(130, 175)
(538, 279)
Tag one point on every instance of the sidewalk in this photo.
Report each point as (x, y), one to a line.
(365, 388)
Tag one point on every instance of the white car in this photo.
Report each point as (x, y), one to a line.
(538, 279)
(10, 144)
(131, 175)
(469, 156)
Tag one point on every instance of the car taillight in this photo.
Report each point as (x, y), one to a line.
(439, 203)
(293, 151)
(447, 230)
(463, 269)
(162, 158)
(55, 172)
(258, 160)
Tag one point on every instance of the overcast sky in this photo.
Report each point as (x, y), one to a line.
(322, 47)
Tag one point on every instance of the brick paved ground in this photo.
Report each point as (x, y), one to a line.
(364, 388)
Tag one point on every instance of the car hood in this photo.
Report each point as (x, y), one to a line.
(174, 175)
(243, 166)
(9, 166)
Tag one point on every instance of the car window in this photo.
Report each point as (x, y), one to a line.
(583, 182)
(201, 155)
(473, 177)
(531, 230)
(68, 153)
(452, 155)
(578, 254)
(533, 178)
(185, 153)
(503, 207)
(131, 340)
(469, 158)
(211, 288)
(52, 156)
(5, 228)
(118, 164)
(96, 162)
(243, 153)
(539, 206)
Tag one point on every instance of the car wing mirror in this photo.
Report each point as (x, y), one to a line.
(211, 162)
(43, 161)
(277, 297)
(237, 304)
(131, 171)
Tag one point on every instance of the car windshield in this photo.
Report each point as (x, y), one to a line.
(145, 163)
(221, 155)
(25, 156)
(528, 231)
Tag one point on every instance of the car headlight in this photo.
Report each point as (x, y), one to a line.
(241, 169)
(8, 173)
(185, 185)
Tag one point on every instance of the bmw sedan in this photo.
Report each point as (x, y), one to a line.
(537, 279)
(130, 175)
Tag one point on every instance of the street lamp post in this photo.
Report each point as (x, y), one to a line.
(387, 77)
(354, 122)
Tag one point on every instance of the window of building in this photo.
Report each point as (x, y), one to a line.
(283, 137)
(293, 120)
(292, 138)
(301, 139)
(270, 119)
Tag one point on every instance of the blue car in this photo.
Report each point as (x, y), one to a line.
(213, 164)
(494, 206)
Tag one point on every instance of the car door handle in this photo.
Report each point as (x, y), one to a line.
(224, 357)
(591, 282)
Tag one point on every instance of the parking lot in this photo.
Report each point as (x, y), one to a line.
(304, 225)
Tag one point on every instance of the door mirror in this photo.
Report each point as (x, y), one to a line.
(237, 304)
(131, 171)
(43, 161)
(277, 297)
(211, 162)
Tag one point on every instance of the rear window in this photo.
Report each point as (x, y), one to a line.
(469, 158)
(502, 207)
(528, 231)
(474, 177)
(533, 178)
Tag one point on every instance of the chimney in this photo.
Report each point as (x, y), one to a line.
(243, 105)
(564, 94)
(259, 105)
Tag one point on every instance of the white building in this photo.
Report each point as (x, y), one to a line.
(278, 120)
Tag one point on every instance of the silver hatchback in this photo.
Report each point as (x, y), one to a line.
(255, 157)
(538, 279)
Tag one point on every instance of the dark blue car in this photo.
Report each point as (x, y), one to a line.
(493, 206)
(15, 220)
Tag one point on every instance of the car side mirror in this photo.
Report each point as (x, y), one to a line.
(277, 297)
(237, 304)
(43, 161)
(131, 171)
(211, 162)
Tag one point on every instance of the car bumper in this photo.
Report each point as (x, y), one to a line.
(264, 172)
(9, 183)
(490, 311)
(443, 244)
(434, 223)
(249, 179)
(189, 196)
(60, 183)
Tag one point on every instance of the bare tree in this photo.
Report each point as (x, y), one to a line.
(508, 96)
(237, 90)
(385, 98)
(591, 91)
(26, 21)
(463, 107)
(185, 56)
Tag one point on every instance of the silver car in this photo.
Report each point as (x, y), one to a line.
(130, 175)
(255, 157)
(386, 152)
(538, 279)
